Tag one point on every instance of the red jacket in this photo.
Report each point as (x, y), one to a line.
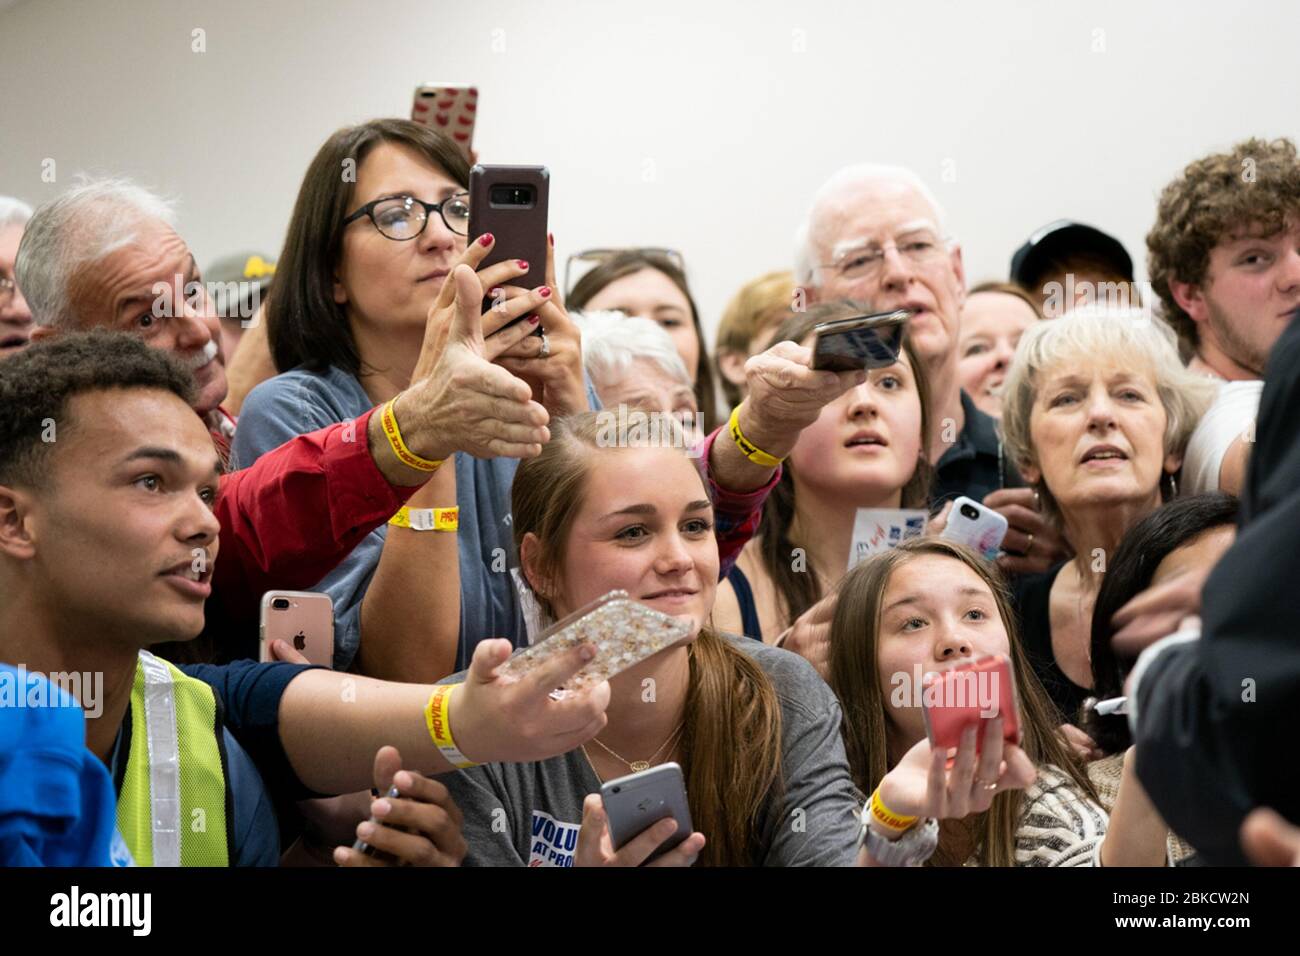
(286, 522)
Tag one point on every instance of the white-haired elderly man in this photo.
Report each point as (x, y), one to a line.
(101, 256)
(877, 234)
(15, 316)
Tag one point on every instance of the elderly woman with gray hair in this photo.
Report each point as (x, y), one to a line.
(633, 362)
(1097, 410)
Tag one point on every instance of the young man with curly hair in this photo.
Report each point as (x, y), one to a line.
(1224, 257)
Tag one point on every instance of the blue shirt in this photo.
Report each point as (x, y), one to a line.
(56, 799)
(300, 401)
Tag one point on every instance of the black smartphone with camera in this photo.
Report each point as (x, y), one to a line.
(511, 203)
(860, 342)
(640, 800)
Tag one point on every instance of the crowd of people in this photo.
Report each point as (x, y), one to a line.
(459, 462)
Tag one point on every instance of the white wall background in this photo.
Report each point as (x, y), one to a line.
(1015, 112)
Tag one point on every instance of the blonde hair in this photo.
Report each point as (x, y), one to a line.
(757, 305)
(1128, 335)
(731, 744)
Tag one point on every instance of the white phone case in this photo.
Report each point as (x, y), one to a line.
(983, 533)
(624, 631)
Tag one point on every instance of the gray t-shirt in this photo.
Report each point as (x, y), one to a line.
(298, 402)
(529, 814)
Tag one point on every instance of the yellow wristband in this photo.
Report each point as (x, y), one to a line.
(747, 447)
(437, 717)
(427, 519)
(887, 817)
(404, 454)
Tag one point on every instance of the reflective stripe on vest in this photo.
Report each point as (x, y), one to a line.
(172, 808)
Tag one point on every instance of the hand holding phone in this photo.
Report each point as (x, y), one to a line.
(625, 632)
(641, 819)
(302, 619)
(926, 783)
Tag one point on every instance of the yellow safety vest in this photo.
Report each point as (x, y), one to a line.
(172, 808)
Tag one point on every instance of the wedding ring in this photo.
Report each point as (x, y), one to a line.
(985, 785)
(546, 347)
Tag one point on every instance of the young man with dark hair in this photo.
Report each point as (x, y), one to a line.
(107, 543)
(1224, 257)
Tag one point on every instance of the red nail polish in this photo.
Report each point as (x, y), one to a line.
(544, 292)
(522, 263)
(534, 319)
(485, 239)
(493, 293)
(551, 237)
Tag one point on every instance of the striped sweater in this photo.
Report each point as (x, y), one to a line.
(1059, 826)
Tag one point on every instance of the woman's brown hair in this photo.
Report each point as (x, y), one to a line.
(855, 678)
(632, 261)
(731, 744)
(799, 590)
(1008, 288)
(304, 325)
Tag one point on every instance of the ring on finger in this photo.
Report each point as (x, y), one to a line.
(986, 785)
(1030, 546)
(546, 347)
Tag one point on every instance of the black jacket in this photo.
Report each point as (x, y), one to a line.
(1218, 718)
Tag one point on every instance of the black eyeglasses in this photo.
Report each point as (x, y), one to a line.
(404, 217)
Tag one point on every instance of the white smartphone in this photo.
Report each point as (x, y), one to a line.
(304, 619)
(641, 800)
(450, 108)
(972, 524)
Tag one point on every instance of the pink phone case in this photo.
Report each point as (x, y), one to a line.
(303, 619)
(963, 694)
(449, 108)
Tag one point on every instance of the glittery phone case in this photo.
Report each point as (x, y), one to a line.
(624, 631)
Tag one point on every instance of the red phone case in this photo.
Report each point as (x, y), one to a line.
(962, 694)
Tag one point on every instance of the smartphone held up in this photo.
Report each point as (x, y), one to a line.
(450, 108)
(625, 632)
(966, 696)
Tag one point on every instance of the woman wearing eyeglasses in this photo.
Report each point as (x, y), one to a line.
(380, 222)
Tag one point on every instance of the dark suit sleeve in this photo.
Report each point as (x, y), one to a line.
(1217, 718)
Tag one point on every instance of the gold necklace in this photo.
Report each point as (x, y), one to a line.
(636, 766)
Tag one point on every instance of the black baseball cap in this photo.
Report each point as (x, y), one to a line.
(1062, 240)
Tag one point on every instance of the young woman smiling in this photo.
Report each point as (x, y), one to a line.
(754, 728)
